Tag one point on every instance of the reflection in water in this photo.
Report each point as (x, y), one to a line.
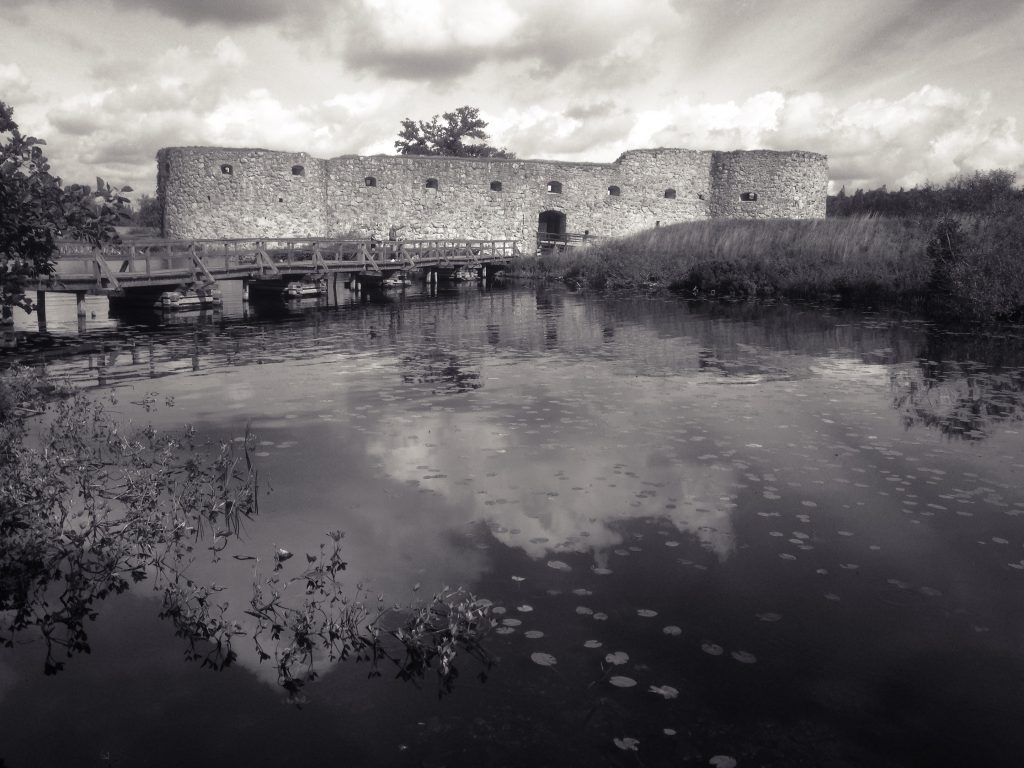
(962, 386)
(720, 497)
(959, 383)
(446, 372)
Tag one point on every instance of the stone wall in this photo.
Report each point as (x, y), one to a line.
(760, 184)
(215, 192)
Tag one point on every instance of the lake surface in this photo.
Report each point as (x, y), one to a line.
(802, 527)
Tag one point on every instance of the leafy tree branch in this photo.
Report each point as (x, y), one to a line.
(36, 210)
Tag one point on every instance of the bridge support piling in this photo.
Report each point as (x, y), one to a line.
(245, 290)
(41, 309)
(80, 300)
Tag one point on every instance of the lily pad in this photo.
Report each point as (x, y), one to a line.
(524, 608)
(618, 657)
(593, 644)
(769, 617)
(582, 610)
(723, 761)
(627, 744)
(664, 690)
(646, 613)
(600, 616)
(744, 657)
(712, 649)
(534, 634)
(559, 565)
(672, 630)
(621, 681)
(601, 571)
(544, 659)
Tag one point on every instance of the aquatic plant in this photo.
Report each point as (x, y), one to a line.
(98, 507)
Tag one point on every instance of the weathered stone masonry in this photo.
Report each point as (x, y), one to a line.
(210, 192)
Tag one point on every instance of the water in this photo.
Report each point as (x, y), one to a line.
(800, 526)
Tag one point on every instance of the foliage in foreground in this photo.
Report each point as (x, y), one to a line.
(35, 210)
(96, 508)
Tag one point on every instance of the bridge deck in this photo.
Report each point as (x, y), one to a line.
(166, 263)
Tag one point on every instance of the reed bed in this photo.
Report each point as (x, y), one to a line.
(852, 258)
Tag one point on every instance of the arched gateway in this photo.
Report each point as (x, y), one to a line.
(551, 229)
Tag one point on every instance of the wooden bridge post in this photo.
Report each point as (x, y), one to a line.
(80, 299)
(41, 309)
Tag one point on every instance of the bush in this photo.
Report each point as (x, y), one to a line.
(976, 265)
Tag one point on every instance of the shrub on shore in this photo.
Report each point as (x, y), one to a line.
(978, 265)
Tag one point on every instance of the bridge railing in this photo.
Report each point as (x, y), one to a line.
(168, 259)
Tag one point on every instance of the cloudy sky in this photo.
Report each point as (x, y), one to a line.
(894, 91)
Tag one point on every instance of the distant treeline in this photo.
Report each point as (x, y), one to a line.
(981, 192)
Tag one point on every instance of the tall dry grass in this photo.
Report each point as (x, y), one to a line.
(855, 258)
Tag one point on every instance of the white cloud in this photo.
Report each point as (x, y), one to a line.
(440, 24)
(929, 134)
(228, 53)
(14, 84)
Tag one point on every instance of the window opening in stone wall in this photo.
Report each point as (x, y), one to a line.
(226, 169)
(614, 191)
(670, 193)
(495, 186)
(431, 184)
(298, 170)
(555, 186)
(370, 181)
(280, 199)
(748, 197)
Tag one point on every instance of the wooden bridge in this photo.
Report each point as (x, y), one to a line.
(147, 265)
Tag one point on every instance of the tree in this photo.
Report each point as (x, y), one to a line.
(449, 137)
(35, 210)
(149, 213)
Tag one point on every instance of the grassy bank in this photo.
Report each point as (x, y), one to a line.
(966, 267)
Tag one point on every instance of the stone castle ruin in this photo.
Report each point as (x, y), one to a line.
(211, 192)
